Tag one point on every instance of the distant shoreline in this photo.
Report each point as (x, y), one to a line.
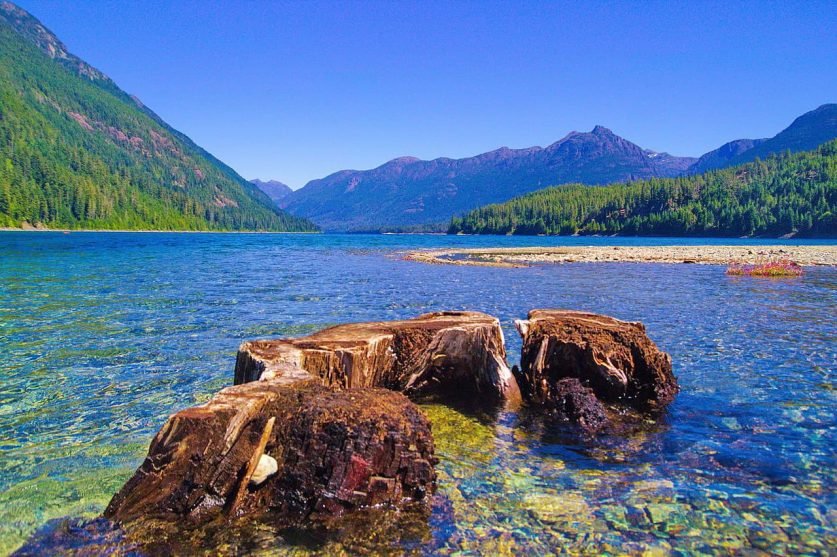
(123, 231)
(805, 255)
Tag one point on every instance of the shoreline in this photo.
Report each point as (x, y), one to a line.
(127, 231)
(805, 255)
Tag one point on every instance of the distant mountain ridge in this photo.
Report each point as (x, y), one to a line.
(805, 133)
(408, 191)
(275, 190)
(78, 152)
(787, 194)
(721, 156)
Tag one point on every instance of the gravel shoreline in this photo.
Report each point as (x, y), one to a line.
(825, 255)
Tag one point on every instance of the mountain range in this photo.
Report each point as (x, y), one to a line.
(78, 152)
(408, 192)
(275, 190)
(789, 194)
(807, 132)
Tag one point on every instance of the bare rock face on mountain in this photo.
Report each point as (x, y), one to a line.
(444, 353)
(569, 357)
(292, 449)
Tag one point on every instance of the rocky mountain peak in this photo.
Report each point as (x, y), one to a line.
(275, 190)
(33, 30)
(601, 131)
(412, 192)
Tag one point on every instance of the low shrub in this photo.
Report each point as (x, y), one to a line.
(783, 268)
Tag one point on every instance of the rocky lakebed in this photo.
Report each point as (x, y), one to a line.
(119, 371)
(323, 427)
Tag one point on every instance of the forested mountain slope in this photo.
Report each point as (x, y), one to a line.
(786, 193)
(805, 133)
(78, 152)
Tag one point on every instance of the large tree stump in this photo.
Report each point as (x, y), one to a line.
(307, 429)
(333, 451)
(569, 357)
(309, 432)
(448, 353)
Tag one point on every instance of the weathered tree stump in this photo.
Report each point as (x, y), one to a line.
(333, 451)
(448, 353)
(307, 430)
(319, 425)
(613, 360)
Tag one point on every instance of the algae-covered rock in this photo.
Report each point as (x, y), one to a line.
(567, 507)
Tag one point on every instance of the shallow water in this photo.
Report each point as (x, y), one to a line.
(104, 335)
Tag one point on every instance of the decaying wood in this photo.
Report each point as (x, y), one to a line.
(335, 450)
(251, 465)
(329, 409)
(592, 367)
(449, 353)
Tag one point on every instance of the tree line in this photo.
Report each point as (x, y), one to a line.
(786, 193)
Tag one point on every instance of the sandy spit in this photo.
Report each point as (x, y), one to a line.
(707, 255)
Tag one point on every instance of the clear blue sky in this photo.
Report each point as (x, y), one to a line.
(296, 90)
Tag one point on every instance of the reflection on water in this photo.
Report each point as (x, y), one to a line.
(105, 335)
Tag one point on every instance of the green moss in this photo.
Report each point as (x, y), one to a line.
(27, 505)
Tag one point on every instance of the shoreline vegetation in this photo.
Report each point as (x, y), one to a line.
(806, 256)
(778, 269)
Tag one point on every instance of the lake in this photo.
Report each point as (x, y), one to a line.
(104, 335)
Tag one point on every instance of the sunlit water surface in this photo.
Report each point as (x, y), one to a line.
(104, 335)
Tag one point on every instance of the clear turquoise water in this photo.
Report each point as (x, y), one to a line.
(104, 335)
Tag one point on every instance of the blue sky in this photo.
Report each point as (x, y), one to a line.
(296, 90)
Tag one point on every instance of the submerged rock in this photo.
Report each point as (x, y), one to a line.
(592, 368)
(451, 353)
(80, 537)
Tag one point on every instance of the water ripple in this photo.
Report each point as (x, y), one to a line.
(105, 335)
